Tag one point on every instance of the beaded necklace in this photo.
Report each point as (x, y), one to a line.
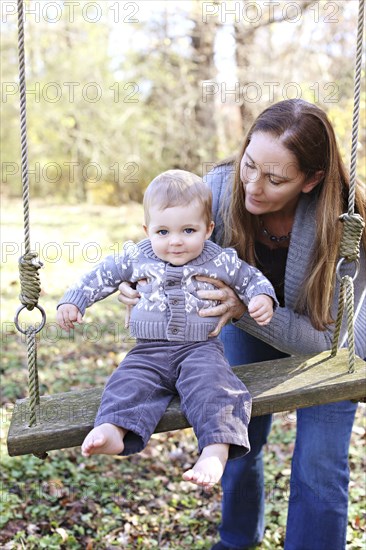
(272, 237)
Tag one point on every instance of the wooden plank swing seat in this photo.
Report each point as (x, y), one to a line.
(63, 420)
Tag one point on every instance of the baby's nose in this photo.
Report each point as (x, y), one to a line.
(175, 239)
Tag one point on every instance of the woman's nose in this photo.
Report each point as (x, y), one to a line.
(253, 186)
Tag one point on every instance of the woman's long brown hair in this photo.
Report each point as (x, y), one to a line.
(305, 130)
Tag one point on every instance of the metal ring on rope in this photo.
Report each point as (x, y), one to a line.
(339, 265)
(36, 330)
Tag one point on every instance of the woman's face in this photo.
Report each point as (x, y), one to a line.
(271, 176)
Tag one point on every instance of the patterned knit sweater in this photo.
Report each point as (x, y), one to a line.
(289, 331)
(169, 305)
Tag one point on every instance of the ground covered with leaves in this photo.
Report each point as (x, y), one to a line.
(141, 502)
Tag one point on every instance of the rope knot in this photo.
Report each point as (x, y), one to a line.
(29, 280)
(351, 236)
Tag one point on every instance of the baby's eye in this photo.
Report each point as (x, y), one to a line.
(162, 232)
(189, 230)
(249, 165)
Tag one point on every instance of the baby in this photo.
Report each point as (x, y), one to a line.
(173, 352)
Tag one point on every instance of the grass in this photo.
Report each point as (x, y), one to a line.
(141, 502)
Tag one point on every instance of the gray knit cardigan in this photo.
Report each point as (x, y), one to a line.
(169, 305)
(288, 331)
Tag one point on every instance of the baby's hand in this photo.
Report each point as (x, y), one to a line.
(67, 315)
(260, 308)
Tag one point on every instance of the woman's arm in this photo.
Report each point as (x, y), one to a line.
(293, 333)
(288, 331)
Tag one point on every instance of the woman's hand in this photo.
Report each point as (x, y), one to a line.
(229, 308)
(128, 296)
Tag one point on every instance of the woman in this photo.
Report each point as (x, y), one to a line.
(279, 205)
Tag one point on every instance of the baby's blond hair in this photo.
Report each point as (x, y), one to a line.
(178, 188)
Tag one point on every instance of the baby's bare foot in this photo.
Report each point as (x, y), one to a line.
(210, 466)
(106, 439)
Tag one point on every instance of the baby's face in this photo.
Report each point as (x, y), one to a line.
(178, 234)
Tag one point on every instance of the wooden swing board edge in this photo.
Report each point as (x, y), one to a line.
(63, 420)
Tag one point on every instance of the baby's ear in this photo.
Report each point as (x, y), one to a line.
(210, 228)
(146, 230)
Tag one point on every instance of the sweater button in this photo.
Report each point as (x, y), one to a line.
(170, 283)
(175, 302)
(175, 331)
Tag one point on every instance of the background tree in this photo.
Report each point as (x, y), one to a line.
(111, 103)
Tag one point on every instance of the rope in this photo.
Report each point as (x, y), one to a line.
(353, 224)
(23, 125)
(33, 380)
(356, 107)
(345, 297)
(28, 264)
(33, 374)
(351, 236)
(29, 280)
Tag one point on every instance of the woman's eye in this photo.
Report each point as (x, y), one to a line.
(162, 232)
(249, 170)
(274, 182)
(189, 230)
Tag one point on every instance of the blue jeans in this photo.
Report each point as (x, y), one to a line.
(317, 516)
